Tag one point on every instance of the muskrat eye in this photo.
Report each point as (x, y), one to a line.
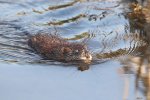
(76, 51)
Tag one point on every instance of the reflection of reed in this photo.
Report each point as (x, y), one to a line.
(141, 68)
(136, 43)
(73, 19)
(126, 88)
(140, 64)
(63, 5)
(143, 73)
(85, 35)
(57, 7)
(112, 54)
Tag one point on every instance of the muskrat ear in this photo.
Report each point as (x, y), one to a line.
(66, 50)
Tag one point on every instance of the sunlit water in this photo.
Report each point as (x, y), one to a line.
(25, 76)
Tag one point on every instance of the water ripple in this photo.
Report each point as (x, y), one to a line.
(101, 24)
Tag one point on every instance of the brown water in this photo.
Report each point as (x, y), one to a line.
(115, 35)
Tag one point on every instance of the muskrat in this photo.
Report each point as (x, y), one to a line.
(53, 47)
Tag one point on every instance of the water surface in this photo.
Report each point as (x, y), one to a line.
(111, 38)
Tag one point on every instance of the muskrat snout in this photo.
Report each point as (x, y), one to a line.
(86, 56)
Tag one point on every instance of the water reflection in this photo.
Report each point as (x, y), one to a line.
(140, 64)
(84, 21)
(112, 30)
(101, 23)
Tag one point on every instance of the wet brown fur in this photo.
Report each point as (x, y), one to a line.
(53, 47)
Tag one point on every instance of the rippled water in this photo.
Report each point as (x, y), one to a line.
(111, 35)
(103, 22)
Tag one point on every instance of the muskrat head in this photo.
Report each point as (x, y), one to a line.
(76, 52)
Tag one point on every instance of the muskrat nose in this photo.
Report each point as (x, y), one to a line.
(86, 57)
